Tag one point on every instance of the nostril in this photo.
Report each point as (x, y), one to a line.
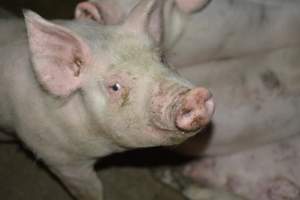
(196, 110)
(187, 112)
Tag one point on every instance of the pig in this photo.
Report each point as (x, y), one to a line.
(270, 172)
(76, 91)
(211, 30)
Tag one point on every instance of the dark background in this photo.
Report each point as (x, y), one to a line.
(47, 8)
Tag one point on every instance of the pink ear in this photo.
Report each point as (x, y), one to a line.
(190, 6)
(58, 55)
(104, 12)
(146, 17)
(88, 10)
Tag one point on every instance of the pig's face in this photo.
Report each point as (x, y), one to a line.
(136, 97)
(126, 89)
(131, 96)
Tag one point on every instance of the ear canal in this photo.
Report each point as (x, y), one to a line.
(58, 55)
(146, 17)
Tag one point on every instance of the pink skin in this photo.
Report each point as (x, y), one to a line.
(88, 10)
(105, 13)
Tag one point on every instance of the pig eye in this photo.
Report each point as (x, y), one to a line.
(115, 87)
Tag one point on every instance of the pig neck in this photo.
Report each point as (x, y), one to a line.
(26, 108)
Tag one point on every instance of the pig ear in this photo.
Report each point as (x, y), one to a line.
(146, 17)
(58, 55)
(104, 12)
(88, 10)
(189, 6)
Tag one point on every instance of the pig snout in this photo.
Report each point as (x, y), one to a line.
(195, 110)
(181, 109)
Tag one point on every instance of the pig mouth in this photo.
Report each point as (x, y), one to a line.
(174, 131)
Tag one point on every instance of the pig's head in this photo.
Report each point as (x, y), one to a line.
(130, 95)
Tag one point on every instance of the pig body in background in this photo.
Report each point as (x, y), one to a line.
(220, 29)
(226, 29)
(259, 100)
(76, 91)
(270, 172)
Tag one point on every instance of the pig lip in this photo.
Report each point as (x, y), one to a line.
(174, 131)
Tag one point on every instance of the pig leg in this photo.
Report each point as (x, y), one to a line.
(80, 179)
